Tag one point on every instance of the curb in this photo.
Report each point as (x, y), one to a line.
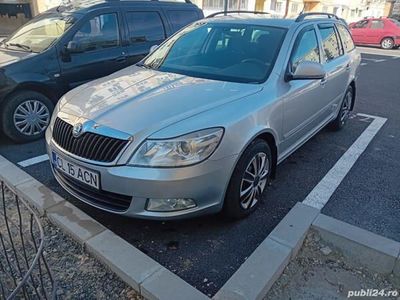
(146, 276)
(258, 273)
(252, 280)
(373, 251)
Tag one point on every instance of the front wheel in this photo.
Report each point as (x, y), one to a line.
(344, 111)
(387, 43)
(249, 180)
(25, 116)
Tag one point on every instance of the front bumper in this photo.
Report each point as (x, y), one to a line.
(205, 183)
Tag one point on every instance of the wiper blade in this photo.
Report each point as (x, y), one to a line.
(25, 47)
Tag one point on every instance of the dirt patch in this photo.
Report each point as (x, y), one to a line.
(321, 272)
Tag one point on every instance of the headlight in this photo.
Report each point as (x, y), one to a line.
(180, 151)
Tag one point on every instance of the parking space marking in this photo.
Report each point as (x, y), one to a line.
(323, 191)
(33, 160)
(374, 59)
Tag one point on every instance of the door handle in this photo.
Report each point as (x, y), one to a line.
(348, 67)
(121, 59)
(323, 81)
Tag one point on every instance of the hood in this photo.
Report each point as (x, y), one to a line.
(136, 99)
(8, 57)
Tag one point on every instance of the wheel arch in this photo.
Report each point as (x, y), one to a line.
(36, 87)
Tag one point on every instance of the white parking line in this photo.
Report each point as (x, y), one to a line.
(33, 160)
(374, 59)
(323, 191)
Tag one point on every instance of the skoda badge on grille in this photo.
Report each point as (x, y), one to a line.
(77, 130)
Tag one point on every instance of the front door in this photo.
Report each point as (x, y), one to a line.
(97, 50)
(359, 31)
(375, 32)
(304, 99)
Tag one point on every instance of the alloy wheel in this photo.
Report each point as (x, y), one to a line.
(387, 44)
(346, 107)
(31, 117)
(254, 180)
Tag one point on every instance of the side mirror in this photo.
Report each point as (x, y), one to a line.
(307, 70)
(72, 47)
(153, 48)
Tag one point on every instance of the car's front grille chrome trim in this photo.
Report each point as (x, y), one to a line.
(89, 145)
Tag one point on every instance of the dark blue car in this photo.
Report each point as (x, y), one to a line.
(68, 46)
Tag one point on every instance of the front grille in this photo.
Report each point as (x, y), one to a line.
(89, 145)
(107, 200)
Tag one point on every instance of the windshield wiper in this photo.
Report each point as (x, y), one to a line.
(25, 47)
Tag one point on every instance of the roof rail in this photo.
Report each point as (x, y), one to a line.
(237, 12)
(302, 16)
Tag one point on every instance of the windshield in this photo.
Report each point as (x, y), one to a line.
(40, 33)
(228, 52)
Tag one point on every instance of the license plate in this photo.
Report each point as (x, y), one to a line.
(79, 173)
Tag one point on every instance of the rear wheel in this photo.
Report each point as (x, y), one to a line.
(344, 111)
(387, 43)
(26, 115)
(249, 180)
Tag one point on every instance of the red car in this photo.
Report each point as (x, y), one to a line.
(376, 31)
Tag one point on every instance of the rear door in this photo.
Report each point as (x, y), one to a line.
(180, 18)
(145, 28)
(337, 66)
(375, 32)
(99, 49)
(359, 31)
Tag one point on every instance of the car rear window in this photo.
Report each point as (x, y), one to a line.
(346, 38)
(181, 18)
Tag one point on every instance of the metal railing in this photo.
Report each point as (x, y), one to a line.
(24, 271)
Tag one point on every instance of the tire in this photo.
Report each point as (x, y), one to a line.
(25, 116)
(387, 43)
(344, 112)
(234, 204)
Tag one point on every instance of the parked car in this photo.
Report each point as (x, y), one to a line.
(68, 46)
(200, 124)
(384, 32)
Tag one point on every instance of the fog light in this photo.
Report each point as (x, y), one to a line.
(161, 205)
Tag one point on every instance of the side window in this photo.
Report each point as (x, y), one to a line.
(305, 49)
(347, 40)
(361, 24)
(145, 27)
(377, 24)
(330, 42)
(98, 33)
(181, 18)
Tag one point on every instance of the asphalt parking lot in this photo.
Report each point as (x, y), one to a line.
(207, 251)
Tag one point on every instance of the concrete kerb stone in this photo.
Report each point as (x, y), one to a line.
(164, 284)
(132, 265)
(293, 228)
(373, 251)
(396, 270)
(11, 174)
(38, 195)
(258, 273)
(74, 222)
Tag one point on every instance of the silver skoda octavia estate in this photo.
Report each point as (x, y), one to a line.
(201, 123)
